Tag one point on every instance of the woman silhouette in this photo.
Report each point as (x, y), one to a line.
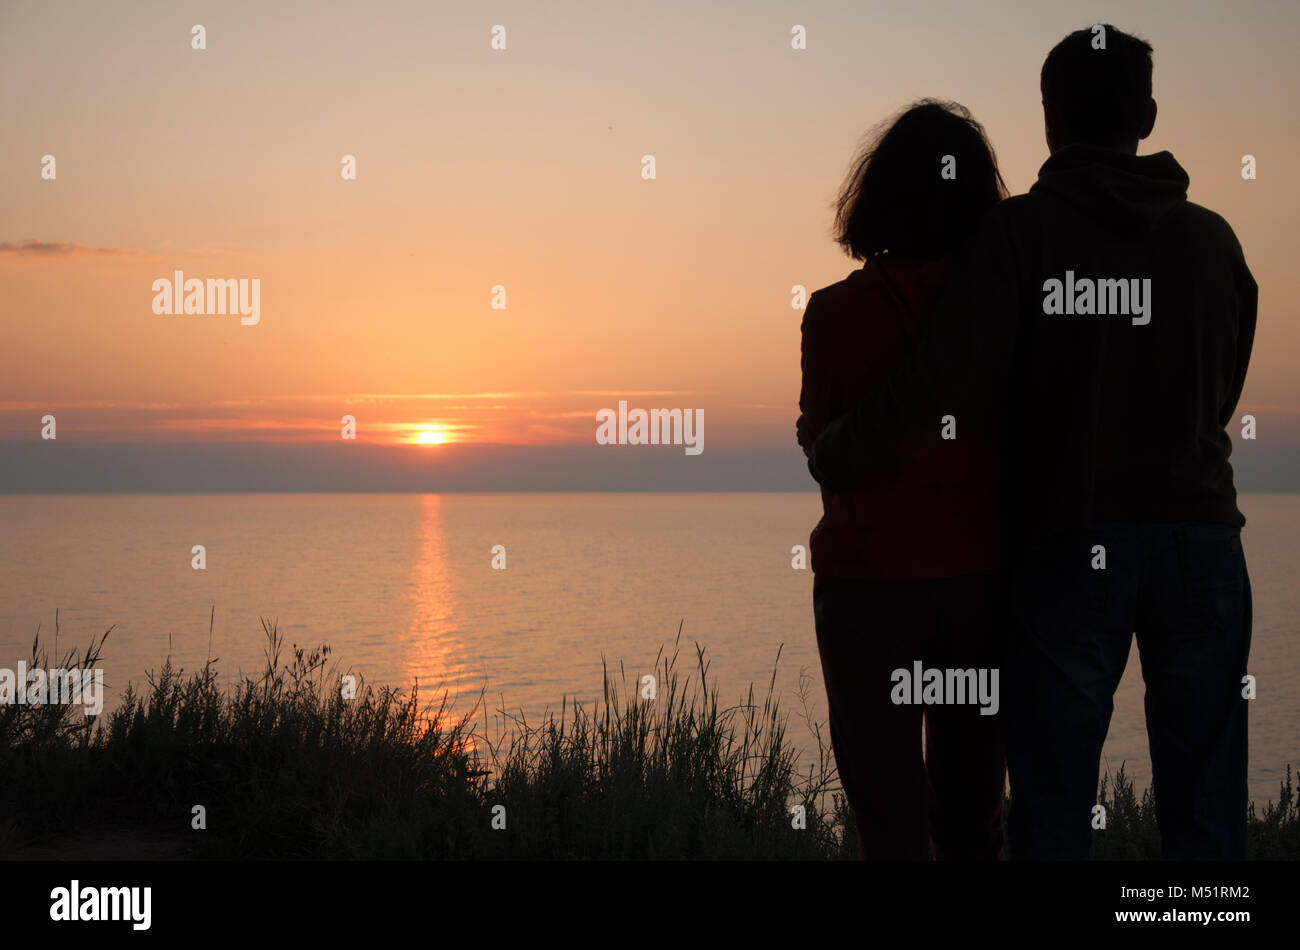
(907, 568)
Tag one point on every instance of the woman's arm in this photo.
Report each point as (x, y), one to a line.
(815, 391)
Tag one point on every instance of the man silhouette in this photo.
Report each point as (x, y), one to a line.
(1106, 322)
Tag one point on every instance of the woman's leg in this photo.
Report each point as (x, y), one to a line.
(965, 756)
(866, 629)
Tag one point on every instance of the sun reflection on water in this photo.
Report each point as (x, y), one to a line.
(432, 651)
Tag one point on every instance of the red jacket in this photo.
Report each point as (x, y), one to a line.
(937, 512)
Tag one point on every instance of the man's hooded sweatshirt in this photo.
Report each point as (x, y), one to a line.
(1104, 323)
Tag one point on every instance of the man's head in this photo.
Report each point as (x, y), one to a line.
(1096, 86)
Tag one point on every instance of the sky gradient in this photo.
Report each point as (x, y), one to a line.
(522, 168)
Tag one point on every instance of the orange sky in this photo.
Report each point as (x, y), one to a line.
(522, 168)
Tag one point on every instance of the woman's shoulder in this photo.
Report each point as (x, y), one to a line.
(852, 287)
(840, 287)
(879, 277)
(912, 268)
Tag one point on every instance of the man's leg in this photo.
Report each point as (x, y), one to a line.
(964, 751)
(1193, 633)
(1070, 643)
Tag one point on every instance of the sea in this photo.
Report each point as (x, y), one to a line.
(507, 606)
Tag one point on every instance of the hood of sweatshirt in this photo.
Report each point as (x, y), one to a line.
(1130, 193)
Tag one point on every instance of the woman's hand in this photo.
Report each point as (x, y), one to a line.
(803, 434)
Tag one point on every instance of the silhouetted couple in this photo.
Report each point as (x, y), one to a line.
(1017, 413)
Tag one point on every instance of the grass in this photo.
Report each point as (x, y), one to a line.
(1131, 832)
(285, 767)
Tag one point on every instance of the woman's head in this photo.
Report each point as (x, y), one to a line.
(919, 185)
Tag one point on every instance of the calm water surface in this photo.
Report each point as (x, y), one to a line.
(402, 588)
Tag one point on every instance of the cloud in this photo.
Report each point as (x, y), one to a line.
(31, 248)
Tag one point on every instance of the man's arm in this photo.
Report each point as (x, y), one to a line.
(1247, 307)
(960, 362)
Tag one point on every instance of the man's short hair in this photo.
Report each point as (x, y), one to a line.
(1099, 95)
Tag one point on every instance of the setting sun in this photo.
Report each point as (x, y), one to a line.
(430, 435)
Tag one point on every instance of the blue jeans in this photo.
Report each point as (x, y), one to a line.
(1183, 589)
